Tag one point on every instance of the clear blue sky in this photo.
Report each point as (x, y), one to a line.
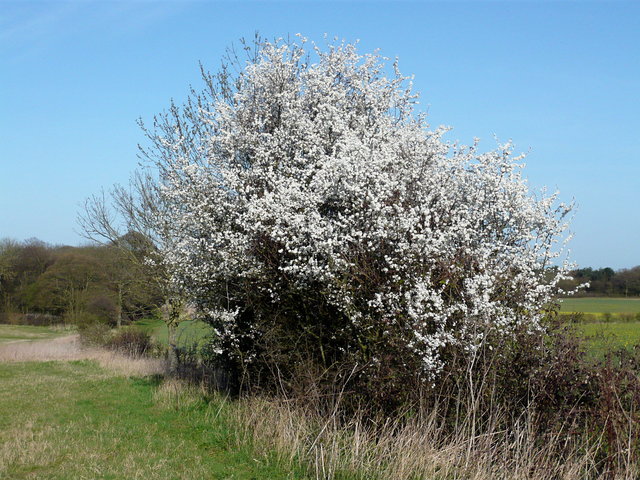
(562, 79)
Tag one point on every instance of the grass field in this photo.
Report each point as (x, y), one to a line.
(607, 322)
(106, 416)
(599, 305)
(76, 420)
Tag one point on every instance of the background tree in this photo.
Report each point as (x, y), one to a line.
(64, 288)
(127, 277)
(72, 284)
(33, 259)
(8, 255)
(605, 281)
(627, 281)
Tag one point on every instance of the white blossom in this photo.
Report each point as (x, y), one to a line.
(315, 171)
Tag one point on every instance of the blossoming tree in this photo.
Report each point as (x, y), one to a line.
(312, 212)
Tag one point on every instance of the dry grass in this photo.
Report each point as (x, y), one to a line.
(175, 394)
(68, 348)
(26, 444)
(414, 449)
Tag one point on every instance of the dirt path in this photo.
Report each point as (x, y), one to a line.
(24, 350)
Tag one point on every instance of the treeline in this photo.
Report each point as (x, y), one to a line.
(43, 284)
(606, 281)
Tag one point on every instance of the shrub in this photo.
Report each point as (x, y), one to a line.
(131, 341)
(94, 334)
(314, 219)
(40, 319)
(568, 394)
(81, 318)
(626, 317)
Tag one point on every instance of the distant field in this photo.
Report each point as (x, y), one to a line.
(607, 322)
(600, 305)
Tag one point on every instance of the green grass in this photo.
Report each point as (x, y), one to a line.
(17, 333)
(189, 332)
(600, 305)
(608, 323)
(75, 420)
(604, 336)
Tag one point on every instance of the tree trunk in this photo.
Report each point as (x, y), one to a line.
(173, 348)
(119, 308)
(175, 310)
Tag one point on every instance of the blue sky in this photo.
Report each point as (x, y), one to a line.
(561, 79)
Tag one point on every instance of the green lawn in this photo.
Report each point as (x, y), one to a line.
(75, 420)
(17, 333)
(599, 305)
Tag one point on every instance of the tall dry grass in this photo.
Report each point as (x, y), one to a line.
(418, 448)
(469, 430)
(69, 348)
